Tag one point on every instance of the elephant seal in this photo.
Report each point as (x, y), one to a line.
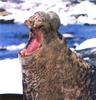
(50, 70)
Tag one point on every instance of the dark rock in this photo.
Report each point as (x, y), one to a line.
(11, 97)
(2, 49)
(79, 15)
(88, 55)
(93, 1)
(11, 21)
(3, 12)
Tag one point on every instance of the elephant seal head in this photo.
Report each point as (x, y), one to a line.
(43, 26)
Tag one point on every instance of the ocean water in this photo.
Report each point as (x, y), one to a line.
(12, 36)
(80, 33)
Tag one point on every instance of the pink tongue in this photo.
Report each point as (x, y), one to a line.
(33, 46)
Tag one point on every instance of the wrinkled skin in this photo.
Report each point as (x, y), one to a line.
(50, 70)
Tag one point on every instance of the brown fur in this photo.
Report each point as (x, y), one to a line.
(54, 72)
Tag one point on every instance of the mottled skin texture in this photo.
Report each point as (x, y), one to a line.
(53, 72)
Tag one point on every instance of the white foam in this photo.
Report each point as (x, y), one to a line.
(15, 47)
(24, 10)
(90, 43)
(68, 35)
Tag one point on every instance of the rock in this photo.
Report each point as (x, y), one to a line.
(51, 71)
(2, 49)
(11, 21)
(79, 15)
(3, 12)
(88, 55)
(11, 97)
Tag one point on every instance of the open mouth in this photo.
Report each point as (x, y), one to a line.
(33, 44)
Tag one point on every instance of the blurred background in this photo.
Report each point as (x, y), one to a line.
(78, 27)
